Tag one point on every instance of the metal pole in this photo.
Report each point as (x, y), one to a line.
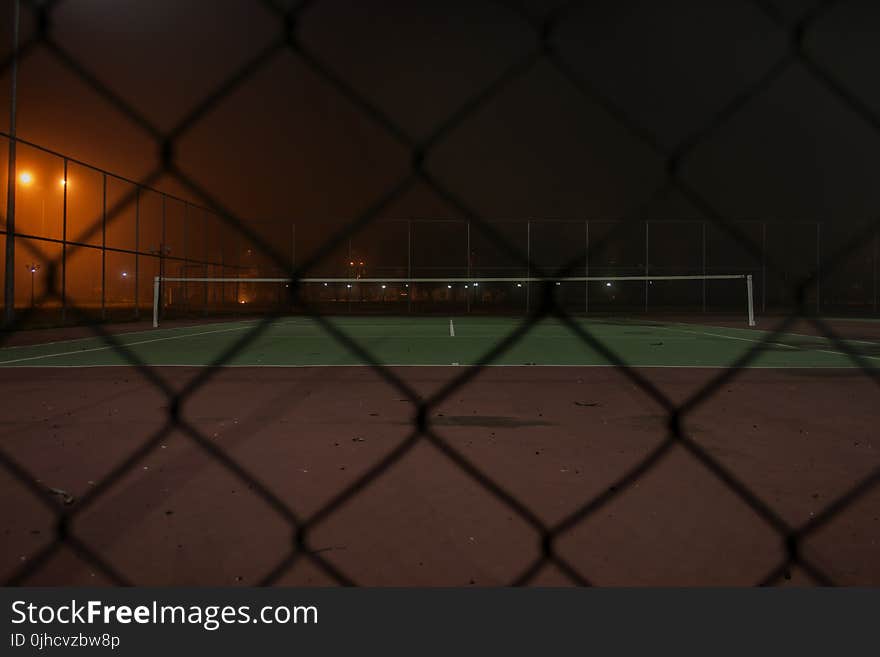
(587, 266)
(137, 250)
(750, 298)
(468, 288)
(528, 263)
(410, 290)
(162, 260)
(156, 285)
(704, 266)
(874, 263)
(185, 261)
(9, 287)
(103, 247)
(647, 247)
(818, 268)
(64, 247)
(350, 268)
(205, 255)
(763, 267)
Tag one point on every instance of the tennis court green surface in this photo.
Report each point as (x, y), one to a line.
(439, 341)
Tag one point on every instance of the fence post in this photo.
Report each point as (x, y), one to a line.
(185, 265)
(587, 266)
(763, 267)
(103, 246)
(162, 260)
(818, 268)
(528, 262)
(468, 287)
(137, 250)
(874, 262)
(206, 256)
(64, 247)
(9, 287)
(647, 254)
(704, 265)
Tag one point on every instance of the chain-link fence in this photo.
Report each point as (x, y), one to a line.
(90, 244)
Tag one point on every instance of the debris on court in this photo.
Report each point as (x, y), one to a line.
(66, 497)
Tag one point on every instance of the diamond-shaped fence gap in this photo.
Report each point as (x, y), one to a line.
(146, 71)
(118, 103)
(676, 523)
(669, 92)
(426, 521)
(612, 358)
(576, 143)
(416, 38)
(550, 452)
(162, 516)
(296, 430)
(798, 467)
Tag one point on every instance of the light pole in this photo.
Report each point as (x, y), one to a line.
(33, 268)
(9, 266)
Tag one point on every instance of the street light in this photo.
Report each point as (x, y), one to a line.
(33, 268)
(26, 178)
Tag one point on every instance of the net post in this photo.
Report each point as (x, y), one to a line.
(750, 296)
(156, 302)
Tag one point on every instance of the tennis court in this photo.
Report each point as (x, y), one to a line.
(413, 341)
(321, 463)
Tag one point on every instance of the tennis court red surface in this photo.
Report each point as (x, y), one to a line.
(553, 438)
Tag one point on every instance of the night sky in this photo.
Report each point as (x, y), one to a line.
(286, 146)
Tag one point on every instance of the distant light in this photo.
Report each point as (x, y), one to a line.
(242, 301)
(383, 287)
(519, 284)
(476, 284)
(62, 182)
(558, 283)
(407, 284)
(608, 284)
(465, 285)
(325, 284)
(362, 263)
(26, 178)
(33, 270)
(349, 285)
(125, 274)
(449, 286)
(351, 264)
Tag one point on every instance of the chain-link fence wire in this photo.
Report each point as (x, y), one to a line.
(289, 20)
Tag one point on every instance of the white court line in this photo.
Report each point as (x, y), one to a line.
(780, 344)
(800, 335)
(126, 344)
(122, 334)
(451, 329)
